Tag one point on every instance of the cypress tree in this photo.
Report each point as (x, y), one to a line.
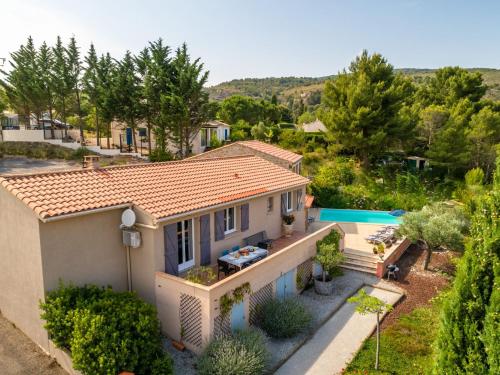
(468, 338)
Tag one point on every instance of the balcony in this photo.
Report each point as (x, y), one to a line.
(196, 308)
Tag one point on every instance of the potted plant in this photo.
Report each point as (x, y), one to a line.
(381, 250)
(329, 257)
(288, 224)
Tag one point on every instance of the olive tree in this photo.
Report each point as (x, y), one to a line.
(436, 226)
(366, 304)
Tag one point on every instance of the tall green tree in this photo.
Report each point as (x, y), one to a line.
(75, 69)
(361, 106)
(128, 94)
(61, 80)
(156, 65)
(90, 86)
(106, 76)
(468, 337)
(186, 107)
(484, 137)
(45, 63)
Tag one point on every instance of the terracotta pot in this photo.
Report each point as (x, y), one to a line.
(288, 229)
(178, 345)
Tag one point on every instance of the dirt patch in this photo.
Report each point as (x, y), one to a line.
(420, 286)
(20, 355)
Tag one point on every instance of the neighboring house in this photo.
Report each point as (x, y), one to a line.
(314, 127)
(416, 163)
(66, 226)
(200, 142)
(274, 154)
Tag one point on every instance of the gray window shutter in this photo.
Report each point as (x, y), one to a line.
(299, 199)
(219, 225)
(205, 240)
(283, 204)
(245, 223)
(171, 249)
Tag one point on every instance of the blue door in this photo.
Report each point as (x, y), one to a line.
(285, 285)
(238, 316)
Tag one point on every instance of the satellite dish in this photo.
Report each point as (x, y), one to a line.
(128, 218)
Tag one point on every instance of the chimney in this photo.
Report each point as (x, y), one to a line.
(90, 162)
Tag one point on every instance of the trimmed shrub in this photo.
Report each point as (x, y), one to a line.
(158, 155)
(106, 332)
(284, 318)
(59, 307)
(243, 353)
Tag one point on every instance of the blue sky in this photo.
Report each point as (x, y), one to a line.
(258, 38)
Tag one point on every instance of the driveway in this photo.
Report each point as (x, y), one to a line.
(22, 165)
(337, 341)
(20, 356)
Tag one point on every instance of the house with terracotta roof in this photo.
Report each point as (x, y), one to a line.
(277, 155)
(69, 226)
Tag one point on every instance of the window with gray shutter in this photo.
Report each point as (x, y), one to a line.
(205, 249)
(170, 249)
(283, 204)
(219, 225)
(245, 223)
(299, 199)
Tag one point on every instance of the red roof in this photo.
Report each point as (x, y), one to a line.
(160, 189)
(272, 150)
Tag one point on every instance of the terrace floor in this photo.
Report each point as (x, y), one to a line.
(278, 245)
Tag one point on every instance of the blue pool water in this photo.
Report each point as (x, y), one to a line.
(357, 216)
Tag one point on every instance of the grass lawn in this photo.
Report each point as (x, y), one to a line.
(405, 346)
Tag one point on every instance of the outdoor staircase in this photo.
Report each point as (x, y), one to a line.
(360, 261)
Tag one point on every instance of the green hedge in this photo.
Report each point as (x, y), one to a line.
(40, 150)
(284, 318)
(243, 353)
(105, 331)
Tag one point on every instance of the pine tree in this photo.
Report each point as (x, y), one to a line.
(128, 94)
(106, 75)
(185, 108)
(90, 86)
(46, 74)
(468, 338)
(75, 68)
(61, 80)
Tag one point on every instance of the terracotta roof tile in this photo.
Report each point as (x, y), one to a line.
(272, 150)
(160, 189)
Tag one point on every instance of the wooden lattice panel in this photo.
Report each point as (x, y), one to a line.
(222, 325)
(190, 312)
(263, 295)
(304, 273)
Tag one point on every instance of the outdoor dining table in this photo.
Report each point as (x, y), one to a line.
(242, 260)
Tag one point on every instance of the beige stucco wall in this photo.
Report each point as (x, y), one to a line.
(259, 220)
(21, 282)
(84, 250)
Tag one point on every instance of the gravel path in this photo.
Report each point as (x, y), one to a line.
(20, 356)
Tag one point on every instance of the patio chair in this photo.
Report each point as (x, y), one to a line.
(260, 240)
(235, 248)
(392, 270)
(224, 267)
(224, 252)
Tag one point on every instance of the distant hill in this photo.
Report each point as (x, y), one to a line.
(297, 87)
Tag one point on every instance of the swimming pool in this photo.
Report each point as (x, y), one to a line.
(357, 216)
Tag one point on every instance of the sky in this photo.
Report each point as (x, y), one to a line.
(273, 38)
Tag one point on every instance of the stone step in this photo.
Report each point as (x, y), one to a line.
(360, 269)
(362, 258)
(360, 253)
(357, 263)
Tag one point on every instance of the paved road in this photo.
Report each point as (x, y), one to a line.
(20, 356)
(336, 342)
(21, 165)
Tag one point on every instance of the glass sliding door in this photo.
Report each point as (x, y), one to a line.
(185, 244)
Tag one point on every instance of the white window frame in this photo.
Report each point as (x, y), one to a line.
(226, 134)
(204, 134)
(190, 263)
(227, 220)
(289, 201)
